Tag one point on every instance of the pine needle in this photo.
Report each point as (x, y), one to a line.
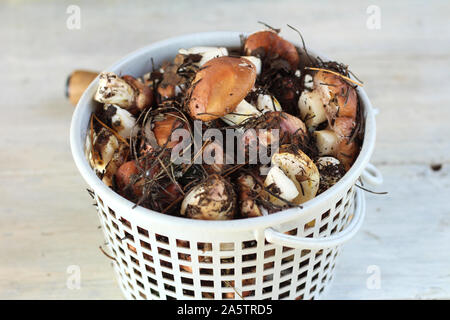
(118, 136)
(337, 74)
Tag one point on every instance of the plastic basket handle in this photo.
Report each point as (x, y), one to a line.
(371, 176)
(279, 238)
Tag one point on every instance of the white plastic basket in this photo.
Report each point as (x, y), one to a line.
(287, 255)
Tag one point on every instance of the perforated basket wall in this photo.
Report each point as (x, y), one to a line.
(154, 262)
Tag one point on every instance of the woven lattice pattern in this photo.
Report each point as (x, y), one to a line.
(153, 265)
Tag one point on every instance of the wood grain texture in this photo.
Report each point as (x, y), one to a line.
(47, 222)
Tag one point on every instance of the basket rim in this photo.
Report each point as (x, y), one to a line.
(143, 214)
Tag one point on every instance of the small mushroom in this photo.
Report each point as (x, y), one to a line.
(272, 43)
(272, 129)
(336, 143)
(338, 96)
(171, 80)
(300, 169)
(114, 90)
(331, 171)
(126, 92)
(249, 190)
(121, 120)
(161, 131)
(128, 182)
(280, 184)
(219, 86)
(105, 145)
(214, 199)
(311, 108)
(163, 125)
(290, 126)
(143, 94)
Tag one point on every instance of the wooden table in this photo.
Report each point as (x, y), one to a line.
(47, 222)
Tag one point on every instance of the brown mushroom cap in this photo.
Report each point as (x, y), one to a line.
(124, 176)
(344, 93)
(290, 130)
(219, 86)
(163, 128)
(144, 95)
(272, 42)
(287, 123)
(347, 149)
(341, 105)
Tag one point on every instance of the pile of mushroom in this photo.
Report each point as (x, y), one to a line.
(268, 87)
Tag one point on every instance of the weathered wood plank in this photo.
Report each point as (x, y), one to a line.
(406, 235)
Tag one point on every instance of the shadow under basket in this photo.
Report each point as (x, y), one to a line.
(287, 255)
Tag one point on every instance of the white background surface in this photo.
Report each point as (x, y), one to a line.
(47, 222)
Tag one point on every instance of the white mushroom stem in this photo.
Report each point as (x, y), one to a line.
(312, 111)
(256, 61)
(114, 90)
(267, 103)
(285, 187)
(123, 122)
(326, 142)
(243, 111)
(207, 53)
(301, 170)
